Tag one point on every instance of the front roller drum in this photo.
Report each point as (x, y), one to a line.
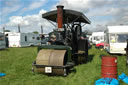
(51, 61)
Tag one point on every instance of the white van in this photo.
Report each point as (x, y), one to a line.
(97, 37)
(116, 39)
(23, 39)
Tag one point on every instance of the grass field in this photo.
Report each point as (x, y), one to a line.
(17, 63)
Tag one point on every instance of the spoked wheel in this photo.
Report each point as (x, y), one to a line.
(86, 57)
(82, 58)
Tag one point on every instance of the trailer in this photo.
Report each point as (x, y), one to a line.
(67, 47)
(97, 37)
(16, 39)
(116, 39)
(2, 41)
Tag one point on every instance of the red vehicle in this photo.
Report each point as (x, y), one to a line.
(100, 45)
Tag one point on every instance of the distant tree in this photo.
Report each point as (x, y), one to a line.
(36, 32)
(84, 34)
(6, 30)
(88, 32)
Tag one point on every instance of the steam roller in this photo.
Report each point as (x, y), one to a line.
(66, 47)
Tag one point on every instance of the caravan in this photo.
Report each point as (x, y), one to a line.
(97, 37)
(2, 41)
(115, 39)
(23, 39)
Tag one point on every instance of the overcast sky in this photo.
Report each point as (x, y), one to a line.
(28, 13)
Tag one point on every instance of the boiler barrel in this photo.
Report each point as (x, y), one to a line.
(109, 67)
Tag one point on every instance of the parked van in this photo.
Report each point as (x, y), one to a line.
(23, 39)
(97, 37)
(115, 39)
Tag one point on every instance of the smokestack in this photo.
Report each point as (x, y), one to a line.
(3, 29)
(18, 27)
(41, 29)
(60, 16)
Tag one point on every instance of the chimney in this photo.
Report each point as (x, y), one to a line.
(3, 29)
(19, 28)
(41, 29)
(60, 16)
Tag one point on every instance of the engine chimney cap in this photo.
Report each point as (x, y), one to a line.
(60, 6)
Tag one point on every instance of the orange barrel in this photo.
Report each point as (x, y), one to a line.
(109, 67)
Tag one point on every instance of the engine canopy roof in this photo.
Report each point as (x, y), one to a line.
(69, 16)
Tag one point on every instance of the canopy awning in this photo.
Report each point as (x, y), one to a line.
(69, 16)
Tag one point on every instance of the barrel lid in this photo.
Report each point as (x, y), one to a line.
(109, 56)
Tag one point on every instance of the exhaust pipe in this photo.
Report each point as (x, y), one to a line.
(19, 28)
(60, 16)
(41, 29)
(3, 29)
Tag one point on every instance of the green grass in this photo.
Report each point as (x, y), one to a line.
(17, 63)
